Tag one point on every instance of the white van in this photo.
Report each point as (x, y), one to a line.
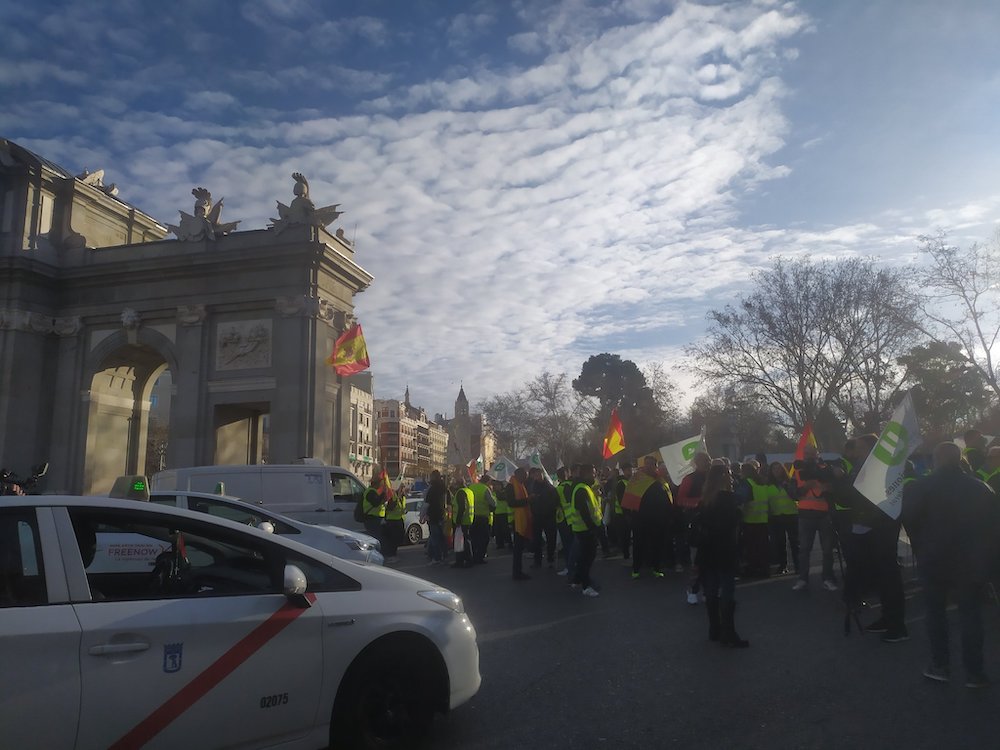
(309, 491)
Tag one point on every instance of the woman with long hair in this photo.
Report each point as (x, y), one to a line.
(718, 524)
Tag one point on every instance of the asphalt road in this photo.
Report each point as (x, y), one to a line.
(634, 669)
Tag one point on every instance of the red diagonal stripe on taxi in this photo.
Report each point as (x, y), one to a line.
(213, 674)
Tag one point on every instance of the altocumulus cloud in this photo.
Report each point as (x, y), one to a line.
(518, 215)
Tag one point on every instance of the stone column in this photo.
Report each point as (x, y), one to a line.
(190, 424)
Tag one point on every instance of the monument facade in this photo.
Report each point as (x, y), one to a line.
(96, 303)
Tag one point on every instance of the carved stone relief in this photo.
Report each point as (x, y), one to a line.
(243, 344)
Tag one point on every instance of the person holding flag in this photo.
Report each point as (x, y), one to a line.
(586, 524)
(874, 495)
(373, 504)
(813, 483)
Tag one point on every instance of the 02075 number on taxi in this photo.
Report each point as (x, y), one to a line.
(270, 701)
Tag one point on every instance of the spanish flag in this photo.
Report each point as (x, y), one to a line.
(350, 353)
(614, 440)
(808, 438)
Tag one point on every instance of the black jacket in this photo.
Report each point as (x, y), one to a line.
(953, 521)
(720, 533)
(436, 495)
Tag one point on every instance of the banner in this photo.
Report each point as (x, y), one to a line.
(503, 469)
(881, 477)
(677, 456)
(808, 438)
(614, 440)
(535, 462)
(350, 353)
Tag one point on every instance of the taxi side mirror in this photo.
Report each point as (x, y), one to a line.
(295, 586)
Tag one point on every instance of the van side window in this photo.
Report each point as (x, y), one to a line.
(346, 489)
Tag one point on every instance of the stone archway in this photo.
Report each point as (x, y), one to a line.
(118, 414)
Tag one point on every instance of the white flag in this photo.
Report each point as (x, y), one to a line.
(881, 477)
(503, 469)
(677, 456)
(535, 462)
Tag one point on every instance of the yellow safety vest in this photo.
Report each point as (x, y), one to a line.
(470, 500)
(755, 511)
(369, 508)
(595, 508)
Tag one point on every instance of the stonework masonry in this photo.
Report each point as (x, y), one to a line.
(95, 304)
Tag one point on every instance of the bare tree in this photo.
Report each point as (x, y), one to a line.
(800, 337)
(664, 389)
(511, 423)
(961, 300)
(883, 308)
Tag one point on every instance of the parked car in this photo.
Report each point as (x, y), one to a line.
(202, 632)
(351, 545)
(416, 525)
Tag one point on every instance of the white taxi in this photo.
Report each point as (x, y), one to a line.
(129, 625)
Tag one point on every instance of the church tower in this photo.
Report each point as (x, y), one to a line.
(461, 404)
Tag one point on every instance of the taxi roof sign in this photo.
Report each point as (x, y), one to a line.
(131, 487)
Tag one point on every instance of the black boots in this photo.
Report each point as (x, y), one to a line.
(714, 623)
(729, 636)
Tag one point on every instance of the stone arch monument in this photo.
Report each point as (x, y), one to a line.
(97, 306)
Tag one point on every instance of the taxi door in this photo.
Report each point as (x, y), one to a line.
(201, 667)
(39, 636)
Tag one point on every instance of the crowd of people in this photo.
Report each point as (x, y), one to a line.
(723, 522)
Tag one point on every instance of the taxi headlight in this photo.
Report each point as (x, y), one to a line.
(445, 599)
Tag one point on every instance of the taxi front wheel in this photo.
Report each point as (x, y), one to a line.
(386, 700)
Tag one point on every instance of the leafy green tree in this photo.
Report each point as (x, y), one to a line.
(950, 393)
(616, 382)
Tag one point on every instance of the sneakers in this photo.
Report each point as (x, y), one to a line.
(936, 673)
(879, 626)
(977, 681)
(590, 592)
(635, 576)
(896, 636)
(829, 585)
(692, 598)
(799, 585)
(563, 572)
(657, 574)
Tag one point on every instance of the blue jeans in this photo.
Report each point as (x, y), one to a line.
(435, 542)
(812, 522)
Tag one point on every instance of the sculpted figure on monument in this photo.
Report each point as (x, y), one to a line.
(205, 224)
(303, 210)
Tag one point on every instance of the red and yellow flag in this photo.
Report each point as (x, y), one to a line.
(350, 353)
(614, 440)
(808, 438)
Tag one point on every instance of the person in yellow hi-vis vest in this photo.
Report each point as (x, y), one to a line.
(756, 543)
(395, 510)
(483, 504)
(463, 504)
(586, 526)
(783, 517)
(373, 507)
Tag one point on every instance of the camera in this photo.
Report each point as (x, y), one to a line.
(819, 470)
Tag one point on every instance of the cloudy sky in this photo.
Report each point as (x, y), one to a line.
(531, 182)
